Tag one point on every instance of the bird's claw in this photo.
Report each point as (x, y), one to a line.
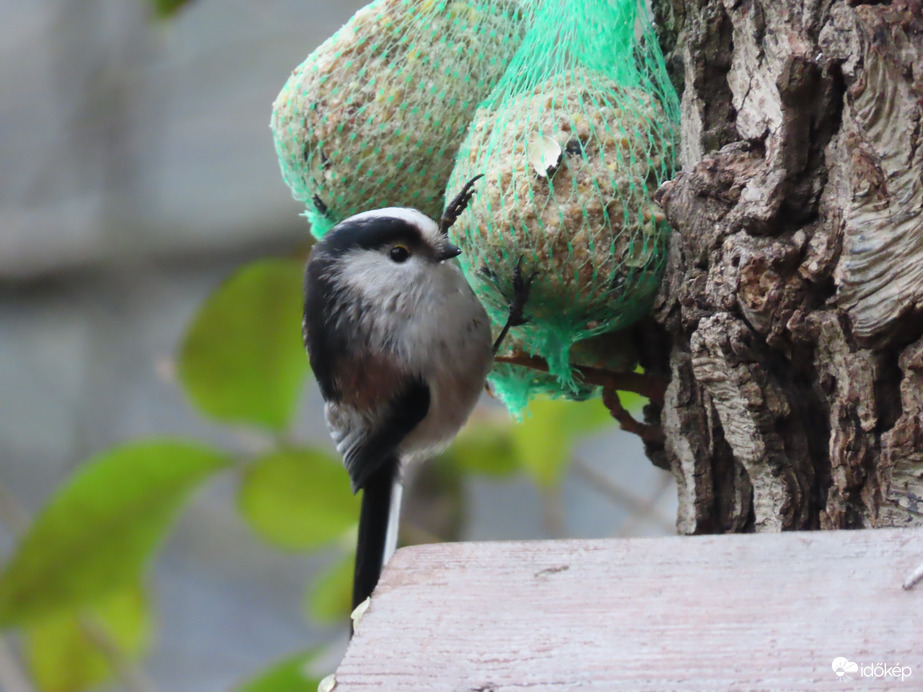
(521, 288)
(458, 204)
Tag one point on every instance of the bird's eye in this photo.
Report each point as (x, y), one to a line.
(399, 253)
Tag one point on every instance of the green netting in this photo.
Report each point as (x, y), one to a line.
(573, 142)
(516, 385)
(374, 116)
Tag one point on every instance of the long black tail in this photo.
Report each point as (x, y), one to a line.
(373, 529)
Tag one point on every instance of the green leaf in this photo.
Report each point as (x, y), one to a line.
(71, 651)
(633, 403)
(101, 527)
(542, 442)
(329, 597)
(289, 675)
(242, 360)
(579, 418)
(298, 499)
(164, 9)
(485, 448)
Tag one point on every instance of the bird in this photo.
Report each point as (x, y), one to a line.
(401, 349)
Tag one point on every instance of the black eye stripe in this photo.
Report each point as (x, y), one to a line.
(371, 234)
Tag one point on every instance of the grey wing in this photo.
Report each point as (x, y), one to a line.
(349, 429)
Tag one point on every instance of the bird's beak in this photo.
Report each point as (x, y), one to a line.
(448, 252)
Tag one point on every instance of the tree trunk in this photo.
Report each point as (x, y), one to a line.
(793, 297)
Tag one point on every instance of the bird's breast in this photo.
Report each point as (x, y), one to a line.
(453, 352)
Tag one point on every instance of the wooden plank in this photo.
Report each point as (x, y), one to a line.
(741, 612)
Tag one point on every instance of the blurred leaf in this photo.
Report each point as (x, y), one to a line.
(434, 505)
(542, 442)
(65, 655)
(583, 417)
(298, 498)
(99, 529)
(329, 597)
(486, 448)
(289, 675)
(633, 403)
(242, 359)
(164, 9)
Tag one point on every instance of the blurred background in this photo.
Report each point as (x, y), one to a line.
(138, 174)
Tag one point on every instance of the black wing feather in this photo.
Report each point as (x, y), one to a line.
(324, 338)
(403, 414)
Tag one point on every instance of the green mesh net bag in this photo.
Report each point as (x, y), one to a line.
(374, 116)
(573, 142)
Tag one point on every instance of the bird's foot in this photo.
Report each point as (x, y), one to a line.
(522, 286)
(458, 205)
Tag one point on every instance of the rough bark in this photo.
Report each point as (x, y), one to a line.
(793, 298)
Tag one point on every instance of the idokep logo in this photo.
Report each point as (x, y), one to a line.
(844, 668)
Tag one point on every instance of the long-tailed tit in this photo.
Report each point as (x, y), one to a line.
(400, 347)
